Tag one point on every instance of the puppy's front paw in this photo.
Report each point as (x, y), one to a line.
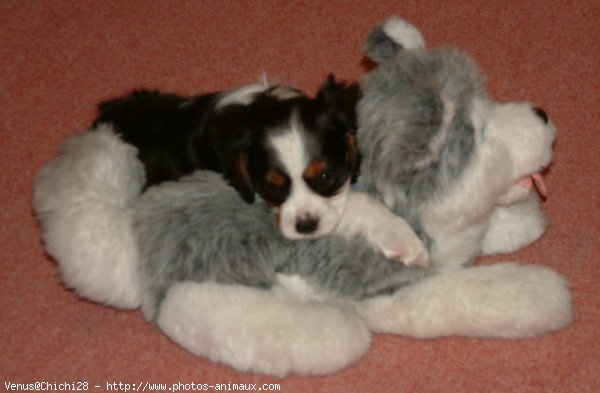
(396, 240)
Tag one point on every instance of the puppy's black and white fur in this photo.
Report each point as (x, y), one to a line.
(298, 153)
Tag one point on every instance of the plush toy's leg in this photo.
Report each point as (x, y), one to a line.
(261, 331)
(503, 300)
(82, 199)
(513, 227)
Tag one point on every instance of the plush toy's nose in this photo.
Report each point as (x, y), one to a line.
(540, 112)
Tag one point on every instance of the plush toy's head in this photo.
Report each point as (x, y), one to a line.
(420, 117)
(424, 115)
(437, 150)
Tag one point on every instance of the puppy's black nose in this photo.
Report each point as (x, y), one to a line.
(542, 115)
(307, 225)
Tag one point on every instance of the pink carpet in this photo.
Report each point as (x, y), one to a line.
(59, 58)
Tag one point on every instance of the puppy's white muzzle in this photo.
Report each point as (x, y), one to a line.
(306, 215)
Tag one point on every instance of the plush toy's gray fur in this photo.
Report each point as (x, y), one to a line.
(198, 229)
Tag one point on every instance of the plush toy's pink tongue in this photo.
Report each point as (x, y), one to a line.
(537, 180)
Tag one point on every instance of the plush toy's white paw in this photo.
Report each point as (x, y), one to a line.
(257, 330)
(513, 227)
(503, 300)
(385, 232)
(82, 200)
(395, 239)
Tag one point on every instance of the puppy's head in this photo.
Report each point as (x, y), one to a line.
(300, 155)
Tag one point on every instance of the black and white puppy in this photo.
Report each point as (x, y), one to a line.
(298, 153)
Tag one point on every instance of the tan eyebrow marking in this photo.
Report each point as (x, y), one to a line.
(276, 178)
(241, 164)
(352, 148)
(314, 169)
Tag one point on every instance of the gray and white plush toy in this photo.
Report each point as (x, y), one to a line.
(216, 276)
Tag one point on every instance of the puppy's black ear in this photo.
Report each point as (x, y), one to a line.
(339, 100)
(232, 145)
(235, 171)
(336, 112)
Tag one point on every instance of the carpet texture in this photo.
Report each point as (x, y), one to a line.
(59, 58)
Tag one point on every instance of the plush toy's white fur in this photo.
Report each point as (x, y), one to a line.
(83, 199)
(482, 301)
(404, 33)
(514, 226)
(483, 206)
(517, 219)
(262, 331)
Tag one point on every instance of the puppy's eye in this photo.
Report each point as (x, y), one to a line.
(324, 179)
(315, 170)
(327, 182)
